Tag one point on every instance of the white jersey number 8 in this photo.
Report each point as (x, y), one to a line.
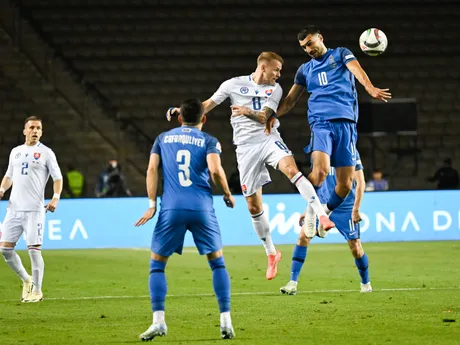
(183, 158)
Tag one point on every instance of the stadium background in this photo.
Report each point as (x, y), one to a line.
(103, 73)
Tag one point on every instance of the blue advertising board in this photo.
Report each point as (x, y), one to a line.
(387, 216)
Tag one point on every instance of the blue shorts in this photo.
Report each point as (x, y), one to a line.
(337, 138)
(169, 233)
(344, 223)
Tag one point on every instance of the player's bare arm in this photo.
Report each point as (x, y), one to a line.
(360, 74)
(285, 105)
(360, 186)
(258, 116)
(208, 105)
(152, 187)
(218, 177)
(6, 184)
(57, 188)
(290, 100)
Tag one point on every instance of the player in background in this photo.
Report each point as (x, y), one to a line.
(187, 157)
(29, 168)
(346, 218)
(255, 99)
(332, 111)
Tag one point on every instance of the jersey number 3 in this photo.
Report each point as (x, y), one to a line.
(183, 158)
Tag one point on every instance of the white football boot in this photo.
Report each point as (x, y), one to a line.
(366, 287)
(155, 330)
(290, 288)
(26, 288)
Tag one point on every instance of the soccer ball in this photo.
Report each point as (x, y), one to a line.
(373, 42)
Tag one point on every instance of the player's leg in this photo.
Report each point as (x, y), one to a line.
(343, 158)
(167, 238)
(33, 228)
(206, 235)
(158, 288)
(289, 168)
(279, 157)
(11, 233)
(262, 229)
(362, 263)
(298, 258)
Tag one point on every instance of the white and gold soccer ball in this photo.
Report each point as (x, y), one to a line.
(373, 42)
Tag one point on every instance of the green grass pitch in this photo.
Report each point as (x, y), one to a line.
(101, 297)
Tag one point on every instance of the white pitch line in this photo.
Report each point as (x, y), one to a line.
(82, 298)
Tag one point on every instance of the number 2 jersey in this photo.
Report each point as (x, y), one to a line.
(183, 153)
(29, 168)
(243, 91)
(332, 86)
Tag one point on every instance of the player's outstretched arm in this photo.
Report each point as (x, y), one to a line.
(152, 187)
(218, 177)
(6, 184)
(360, 186)
(57, 189)
(208, 105)
(290, 100)
(360, 74)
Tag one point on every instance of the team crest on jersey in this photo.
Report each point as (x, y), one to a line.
(269, 92)
(332, 63)
(244, 90)
(18, 155)
(36, 155)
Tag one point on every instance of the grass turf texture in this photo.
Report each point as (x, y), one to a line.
(101, 296)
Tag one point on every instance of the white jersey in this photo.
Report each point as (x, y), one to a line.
(243, 91)
(29, 168)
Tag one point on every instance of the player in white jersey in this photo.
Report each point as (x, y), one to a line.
(29, 168)
(255, 99)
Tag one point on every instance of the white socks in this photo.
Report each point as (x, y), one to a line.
(225, 320)
(262, 228)
(38, 268)
(307, 191)
(159, 316)
(14, 261)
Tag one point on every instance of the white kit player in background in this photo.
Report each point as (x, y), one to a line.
(29, 168)
(254, 100)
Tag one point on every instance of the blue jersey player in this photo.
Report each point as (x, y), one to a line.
(187, 157)
(332, 110)
(346, 218)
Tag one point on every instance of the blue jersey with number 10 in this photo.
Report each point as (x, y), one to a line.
(183, 153)
(332, 86)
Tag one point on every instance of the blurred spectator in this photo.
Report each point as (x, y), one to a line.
(234, 182)
(446, 176)
(74, 183)
(377, 183)
(112, 182)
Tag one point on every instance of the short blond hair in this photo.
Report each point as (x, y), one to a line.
(269, 56)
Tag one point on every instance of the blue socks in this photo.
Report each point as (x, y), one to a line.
(334, 201)
(298, 258)
(221, 283)
(157, 284)
(363, 265)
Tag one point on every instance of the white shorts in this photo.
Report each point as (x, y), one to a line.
(31, 223)
(252, 160)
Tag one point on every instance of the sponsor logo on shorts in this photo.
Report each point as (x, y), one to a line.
(244, 189)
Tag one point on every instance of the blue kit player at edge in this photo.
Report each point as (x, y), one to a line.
(188, 157)
(346, 218)
(332, 111)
